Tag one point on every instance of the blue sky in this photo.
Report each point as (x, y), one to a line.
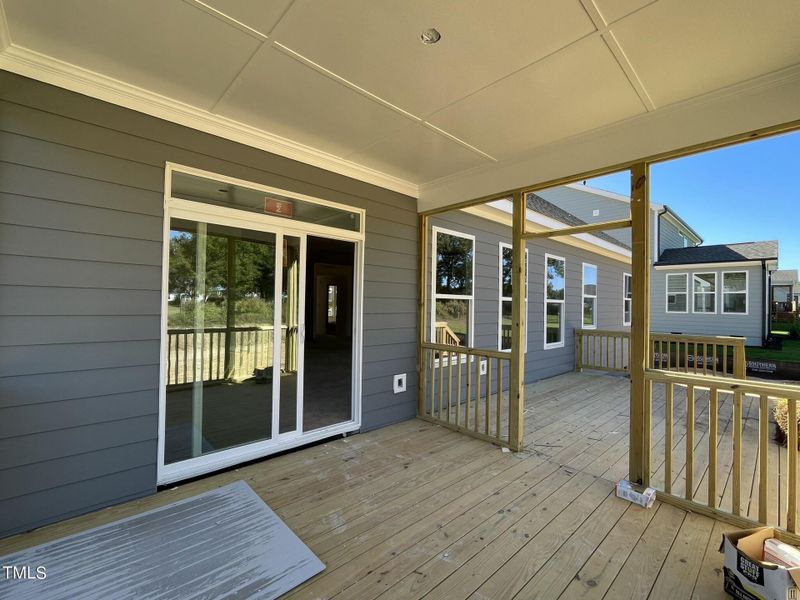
(742, 193)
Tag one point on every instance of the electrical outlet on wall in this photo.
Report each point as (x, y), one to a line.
(399, 385)
(483, 367)
(596, 212)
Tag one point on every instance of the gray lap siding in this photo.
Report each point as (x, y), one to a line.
(81, 216)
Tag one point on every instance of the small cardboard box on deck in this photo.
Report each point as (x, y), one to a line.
(747, 576)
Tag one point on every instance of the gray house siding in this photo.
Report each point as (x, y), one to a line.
(669, 237)
(749, 325)
(582, 204)
(81, 209)
(539, 363)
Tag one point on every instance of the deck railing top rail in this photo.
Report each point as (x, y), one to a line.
(744, 386)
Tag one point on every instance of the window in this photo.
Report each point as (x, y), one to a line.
(454, 267)
(627, 298)
(554, 296)
(504, 327)
(677, 293)
(705, 292)
(589, 296)
(734, 293)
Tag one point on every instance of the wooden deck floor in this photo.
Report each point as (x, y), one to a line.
(418, 511)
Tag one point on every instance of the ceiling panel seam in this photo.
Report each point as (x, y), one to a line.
(341, 80)
(227, 19)
(603, 28)
(280, 19)
(236, 77)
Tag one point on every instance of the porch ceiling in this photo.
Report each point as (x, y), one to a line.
(509, 97)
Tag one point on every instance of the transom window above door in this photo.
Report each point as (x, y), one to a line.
(221, 192)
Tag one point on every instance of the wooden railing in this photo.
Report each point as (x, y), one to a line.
(464, 390)
(602, 350)
(706, 355)
(219, 353)
(445, 335)
(717, 455)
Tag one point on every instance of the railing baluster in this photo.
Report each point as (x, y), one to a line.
(458, 398)
(725, 360)
(186, 357)
(441, 383)
(669, 392)
(689, 442)
(499, 395)
(451, 357)
(737, 453)
(488, 393)
(476, 424)
(432, 382)
(791, 453)
(712, 447)
(469, 391)
(763, 458)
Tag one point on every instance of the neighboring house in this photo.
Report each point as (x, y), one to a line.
(782, 294)
(593, 205)
(714, 290)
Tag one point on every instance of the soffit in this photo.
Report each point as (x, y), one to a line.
(513, 94)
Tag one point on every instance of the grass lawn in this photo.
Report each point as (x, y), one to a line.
(790, 352)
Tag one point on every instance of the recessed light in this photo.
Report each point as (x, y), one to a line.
(430, 36)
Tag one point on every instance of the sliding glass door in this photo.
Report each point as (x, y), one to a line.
(241, 377)
(221, 338)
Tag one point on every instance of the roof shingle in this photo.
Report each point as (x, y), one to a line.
(548, 209)
(720, 253)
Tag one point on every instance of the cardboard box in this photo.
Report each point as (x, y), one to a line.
(624, 489)
(747, 576)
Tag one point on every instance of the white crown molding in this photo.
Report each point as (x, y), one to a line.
(41, 67)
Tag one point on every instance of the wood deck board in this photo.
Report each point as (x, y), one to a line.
(421, 512)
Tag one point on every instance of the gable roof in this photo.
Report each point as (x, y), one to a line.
(548, 209)
(784, 277)
(720, 253)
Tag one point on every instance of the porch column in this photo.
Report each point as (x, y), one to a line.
(641, 400)
(516, 383)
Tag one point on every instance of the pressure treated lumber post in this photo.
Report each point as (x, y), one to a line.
(640, 408)
(422, 313)
(516, 382)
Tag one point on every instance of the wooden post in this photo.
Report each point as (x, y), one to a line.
(516, 381)
(640, 406)
(422, 311)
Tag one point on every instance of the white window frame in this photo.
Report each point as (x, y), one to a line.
(694, 306)
(502, 246)
(626, 299)
(435, 230)
(666, 293)
(746, 293)
(584, 295)
(550, 300)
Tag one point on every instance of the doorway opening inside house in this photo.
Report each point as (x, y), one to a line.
(260, 330)
(329, 349)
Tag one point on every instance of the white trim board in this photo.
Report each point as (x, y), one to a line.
(718, 265)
